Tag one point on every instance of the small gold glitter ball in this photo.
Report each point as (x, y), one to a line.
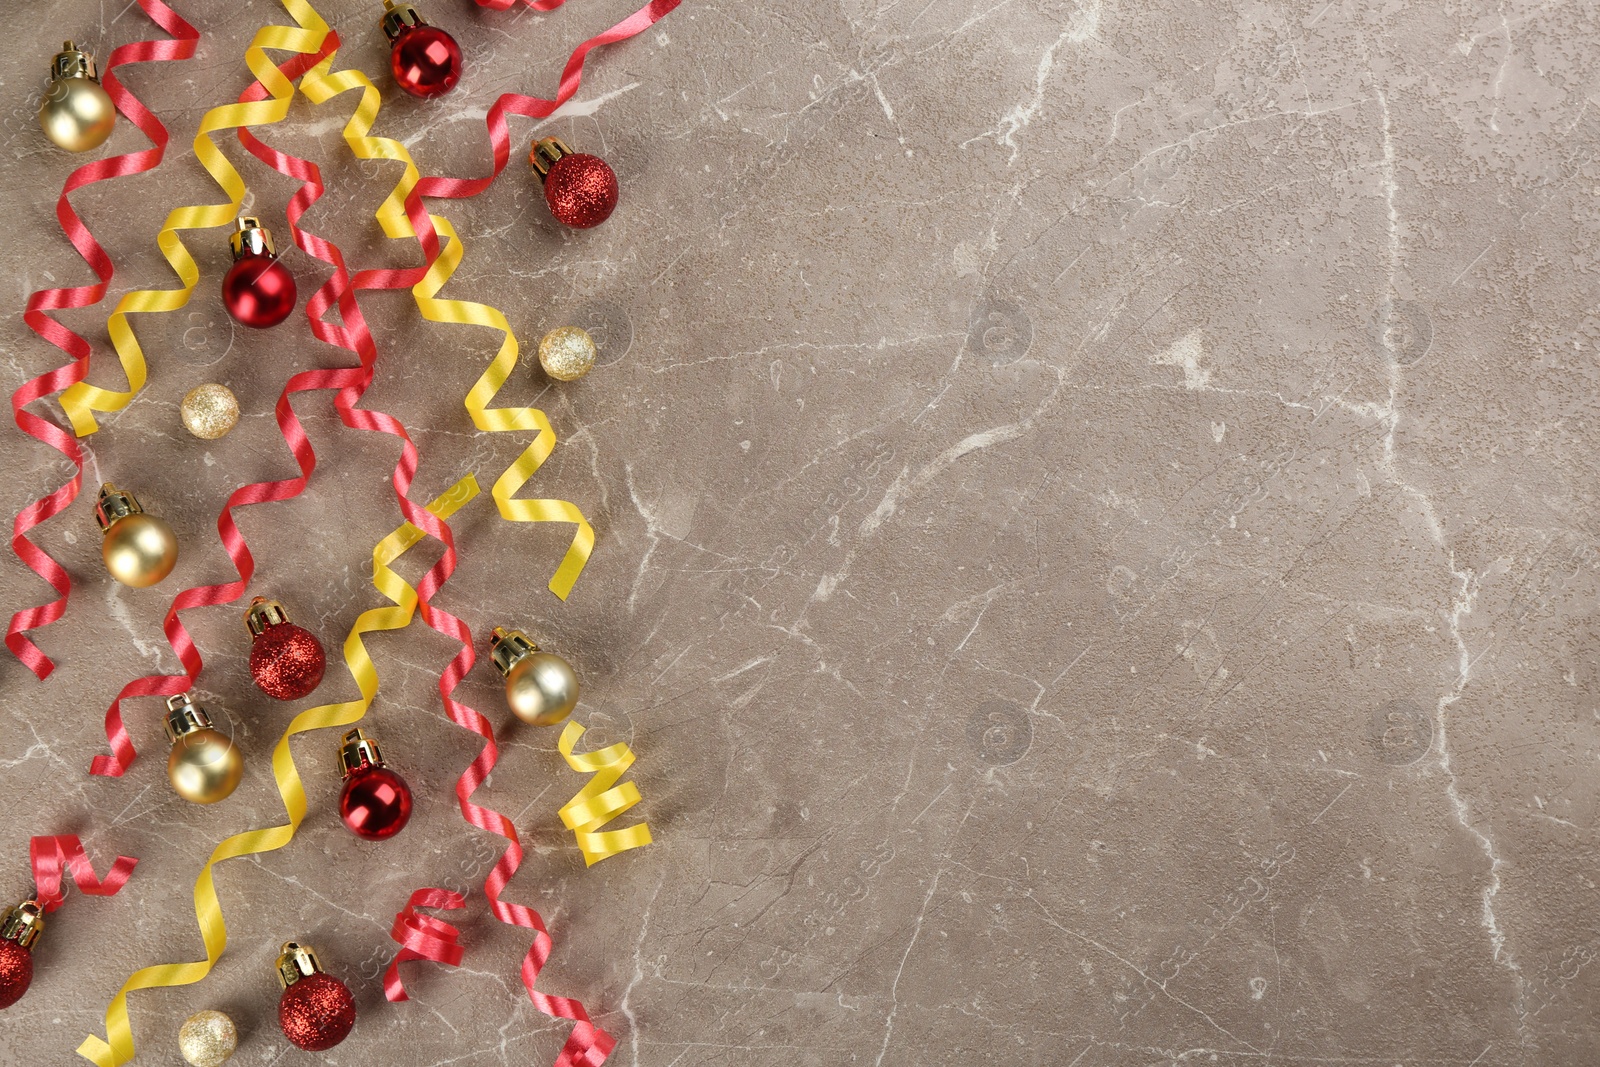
(567, 353)
(209, 411)
(207, 1038)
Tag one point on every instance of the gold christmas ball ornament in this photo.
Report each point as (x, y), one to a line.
(76, 112)
(139, 549)
(541, 687)
(207, 1038)
(204, 766)
(209, 411)
(567, 353)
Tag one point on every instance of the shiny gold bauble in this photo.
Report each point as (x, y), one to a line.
(567, 353)
(542, 689)
(207, 1038)
(140, 550)
(77, 114)
(209, 411)
(204, 766)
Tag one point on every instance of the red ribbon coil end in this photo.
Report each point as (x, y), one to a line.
(422, 937)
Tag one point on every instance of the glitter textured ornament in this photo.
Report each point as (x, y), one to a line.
(258, 290)
(375, 802)
(567, 353)
(286, 661)
(204, 766)
(425, 60)
(76, 112)
(581, 189)
(209, 411)
(316, 1011)
(139, 550)
(207, 1038)
(18, 931)
(541, 687)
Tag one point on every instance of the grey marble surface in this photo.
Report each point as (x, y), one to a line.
(1096, 539)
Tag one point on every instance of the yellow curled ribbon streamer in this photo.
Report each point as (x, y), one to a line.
(499, 420)
(81, 400)
(601, 800)
(208, 908)
(319, 86)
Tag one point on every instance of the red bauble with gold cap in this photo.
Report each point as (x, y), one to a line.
(316, 1011)
(375, 802)
(581, 189)
(286, 661)
(258, 289)
(425, 60)
(18, 931)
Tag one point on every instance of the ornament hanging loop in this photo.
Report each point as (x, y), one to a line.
(114, 504)
(398, 17)
(297, 961)
(23, 924)
(73, 62)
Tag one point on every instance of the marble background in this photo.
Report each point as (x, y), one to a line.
(1095, 506)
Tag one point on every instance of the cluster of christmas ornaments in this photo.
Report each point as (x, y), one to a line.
(287, 662)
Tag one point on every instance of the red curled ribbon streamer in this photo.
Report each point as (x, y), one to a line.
(536, 107)
(122, 749)
(45, 300)
(422, 937)
(51, 856)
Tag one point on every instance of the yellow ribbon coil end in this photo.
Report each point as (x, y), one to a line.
(601, 800)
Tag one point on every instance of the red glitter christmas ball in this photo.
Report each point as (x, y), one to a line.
(287, 661)
(426, 61)
(581, 190)
(258, 291)
(16, 972)
(376, 803)
(317, 1012)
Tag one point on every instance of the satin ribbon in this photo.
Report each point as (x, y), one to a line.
(53, 856)
(422, 937)
(122, 749)
(182, 46)
(81, 400)
(601, 800)
(538, 108)
(118, 1049)
(502, 420)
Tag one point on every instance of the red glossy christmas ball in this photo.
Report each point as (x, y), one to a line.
(16, 972)
(376, 803)
(426, 61)
(581, 190)
(287, 661)
(258, 291)
(317, 1012)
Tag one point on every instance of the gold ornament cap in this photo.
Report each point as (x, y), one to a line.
(250, 238)
(509, 647)
(399, 17)
(296, 962)
(184, 717)
(264, 614)
(73, 62)
(23, 924)
(544, 154)
(114, 504)
(357, 751)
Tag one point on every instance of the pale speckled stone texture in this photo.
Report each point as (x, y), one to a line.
(1096, 547)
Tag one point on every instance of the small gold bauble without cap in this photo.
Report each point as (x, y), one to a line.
(567, 353)
(209, 411)
(207, 1038)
